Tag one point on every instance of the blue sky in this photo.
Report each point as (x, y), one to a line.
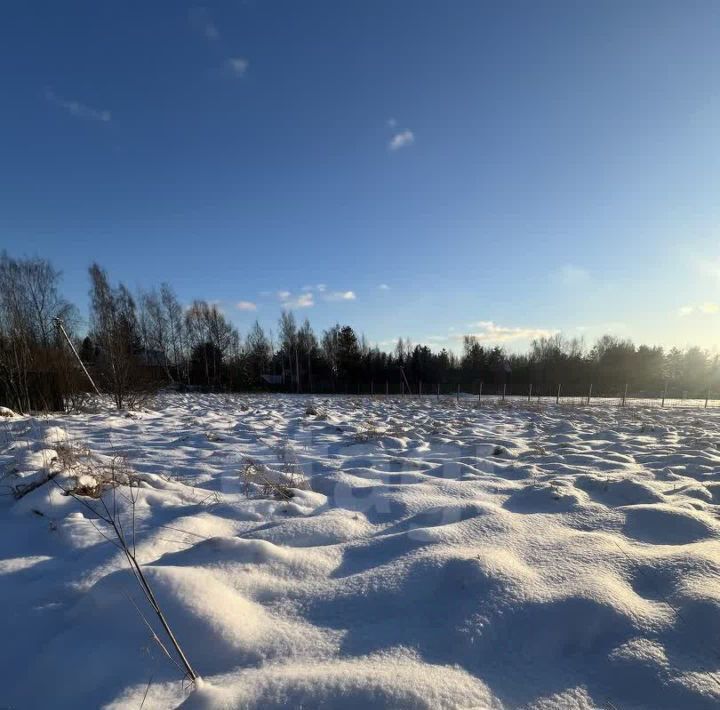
(422, 169)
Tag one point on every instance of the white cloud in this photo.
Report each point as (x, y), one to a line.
(392, 123)
(490, 332)
(246, 306)
(401, 140)
(384, 287)
(306, 298)
(303, 300)
(340, 296)
(238, 65)
(202, 22)
(707, 308)
(211, 31)
(571, 275)
(77, 109)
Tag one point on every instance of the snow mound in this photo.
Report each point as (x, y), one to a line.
(382, 681)
(668, 525)
(440, 557)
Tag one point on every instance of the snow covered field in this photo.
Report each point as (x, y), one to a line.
(440, 556)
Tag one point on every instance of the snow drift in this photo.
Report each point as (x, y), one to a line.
(427, 554)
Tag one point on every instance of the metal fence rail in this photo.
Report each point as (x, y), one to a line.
(558, 394)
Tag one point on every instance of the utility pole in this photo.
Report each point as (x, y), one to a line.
(409, 389)
(59, 324)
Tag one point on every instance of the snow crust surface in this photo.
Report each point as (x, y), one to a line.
(442, 555)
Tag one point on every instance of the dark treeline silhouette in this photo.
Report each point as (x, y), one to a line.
(137, 343)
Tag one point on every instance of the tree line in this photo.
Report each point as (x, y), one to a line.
(135, 343)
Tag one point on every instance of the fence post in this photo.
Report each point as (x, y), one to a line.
(625, 395)
(707, 397)
(387, 388)
(662, 403)
(589, 393)
(530, 392)
(438, 391)
(504, 388)
(557, 396)
(458, 392)
(480, 392)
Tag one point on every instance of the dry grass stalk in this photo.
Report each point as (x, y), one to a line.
(268, 482)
